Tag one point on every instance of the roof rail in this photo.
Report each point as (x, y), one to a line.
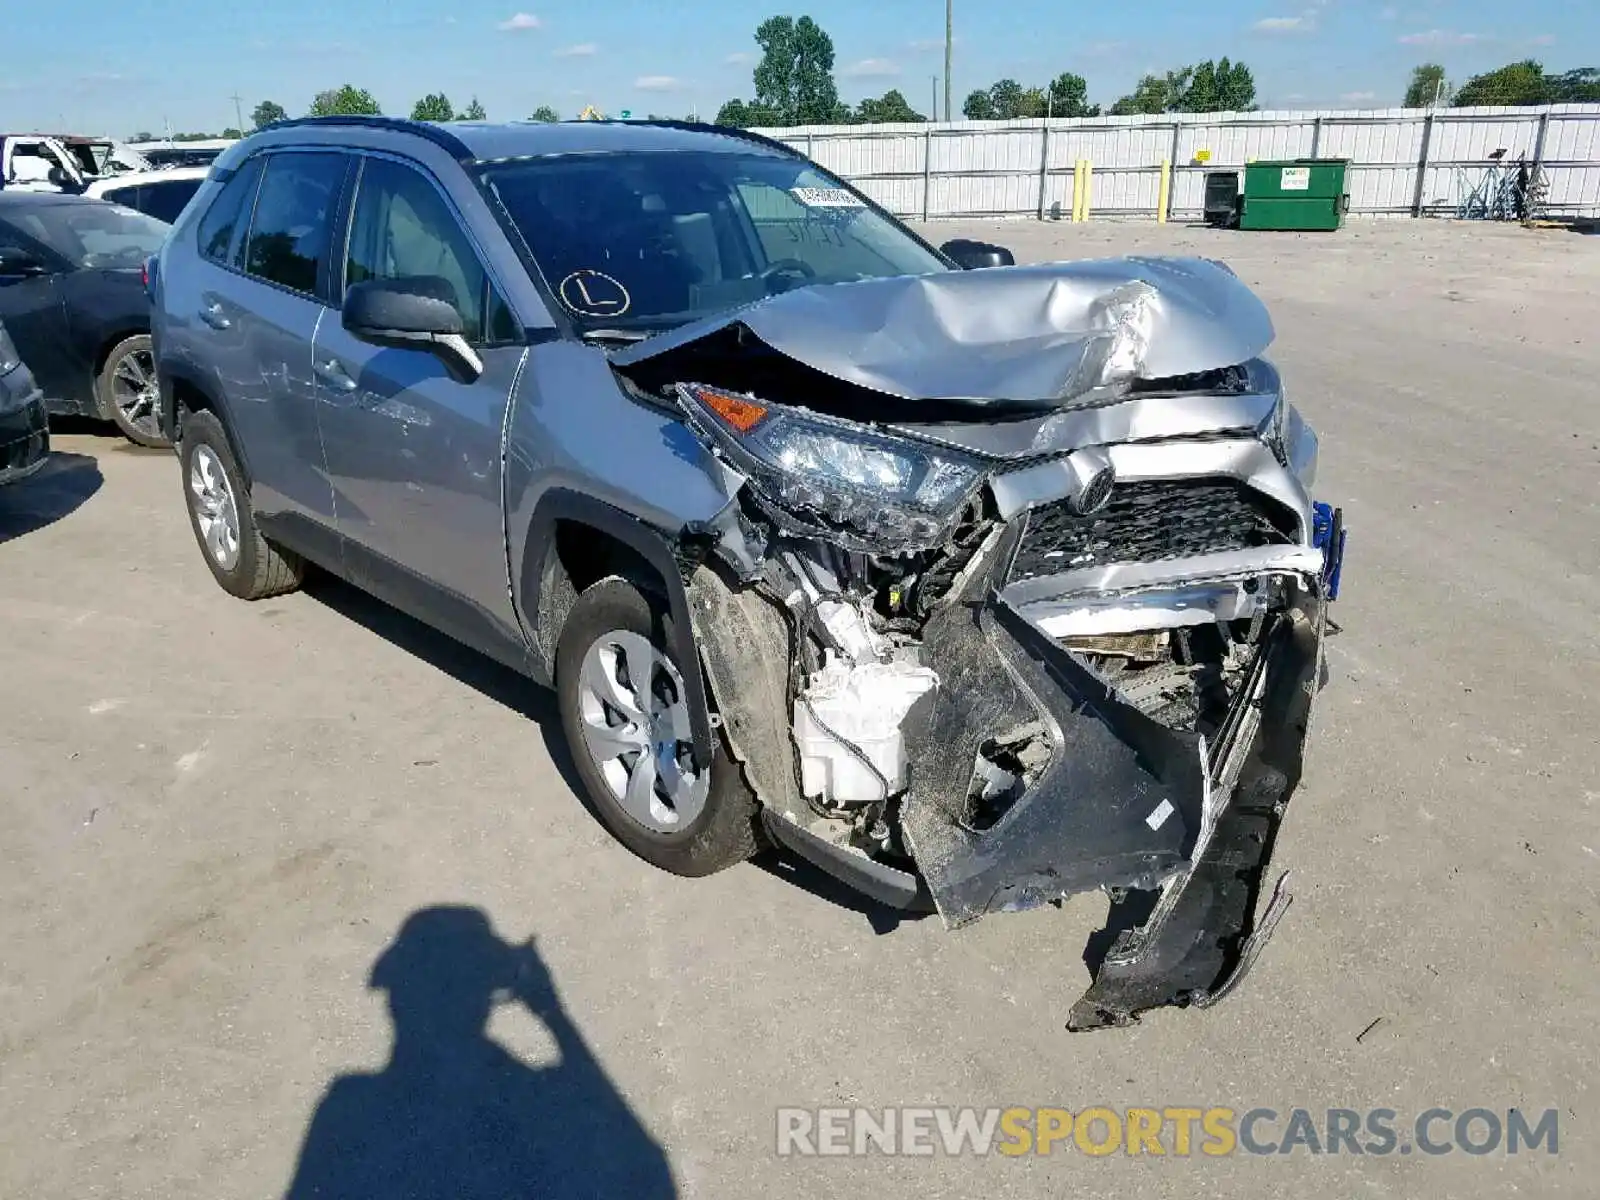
(747, 135)
(442, 138)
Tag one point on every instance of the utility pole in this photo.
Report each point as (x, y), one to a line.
(933, 113)
(949, 39)
(238, 113)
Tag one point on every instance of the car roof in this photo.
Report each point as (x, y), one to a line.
(139, 178)
(15, 198)
(486, 142)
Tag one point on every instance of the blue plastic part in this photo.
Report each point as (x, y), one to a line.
(1328, 535)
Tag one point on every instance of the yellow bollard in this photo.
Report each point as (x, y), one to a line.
(1164, 201)
(1077, 190)
(1088, 186)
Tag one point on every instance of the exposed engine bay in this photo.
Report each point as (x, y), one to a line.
(984, 639)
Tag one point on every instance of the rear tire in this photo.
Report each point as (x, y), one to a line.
(615, 657)
(243, 562)
(127, 392)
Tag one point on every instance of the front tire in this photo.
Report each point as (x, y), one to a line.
(625, 712)
(127, 392)
(243, 562)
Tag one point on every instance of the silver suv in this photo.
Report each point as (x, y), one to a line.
(977, 587)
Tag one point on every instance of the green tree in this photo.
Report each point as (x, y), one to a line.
(142, 137)
(267, 112)
(474, 112)
(345, 101)
(978, 106)
(1427, 87)
(794, 79)
(231, 132)
(1516, 83)
(1154, 94)
(1576, 87)
(435, 106)
(1068, 96)
(891, 106)
(743, 114)
(1006, 96)
(1218, 87)
(546, 114)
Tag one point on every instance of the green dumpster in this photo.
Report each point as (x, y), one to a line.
(1301, 193)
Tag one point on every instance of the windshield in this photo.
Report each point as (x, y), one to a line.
(646, 241)
(92, 235)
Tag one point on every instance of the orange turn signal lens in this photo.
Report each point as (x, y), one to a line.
(739, 413)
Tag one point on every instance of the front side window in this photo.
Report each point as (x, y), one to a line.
(402, 229)
(651, 240)
(229, 212)
(293, 223)
(92, 235)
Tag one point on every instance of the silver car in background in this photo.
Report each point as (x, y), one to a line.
(977, 587)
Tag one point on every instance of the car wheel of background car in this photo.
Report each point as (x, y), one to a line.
(128, 391)
(626, 714)
(244, 562)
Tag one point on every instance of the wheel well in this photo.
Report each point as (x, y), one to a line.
(580, 555)
(110, 344)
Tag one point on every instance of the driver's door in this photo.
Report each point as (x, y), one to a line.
(412, 450)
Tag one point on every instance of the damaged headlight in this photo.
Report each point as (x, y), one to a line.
(836, 473)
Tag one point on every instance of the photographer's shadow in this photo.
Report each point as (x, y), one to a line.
(453, 1114)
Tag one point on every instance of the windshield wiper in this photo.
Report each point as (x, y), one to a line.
(626, 336)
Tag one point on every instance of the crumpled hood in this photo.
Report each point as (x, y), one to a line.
(1050, 332)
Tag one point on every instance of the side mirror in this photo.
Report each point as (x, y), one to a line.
(414, 312)
(974, 256)
(17, 263)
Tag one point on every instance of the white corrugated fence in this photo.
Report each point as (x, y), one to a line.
(1403, 162)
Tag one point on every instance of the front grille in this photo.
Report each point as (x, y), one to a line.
(1149, 521)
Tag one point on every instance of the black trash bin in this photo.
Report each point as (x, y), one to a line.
(1222, 199)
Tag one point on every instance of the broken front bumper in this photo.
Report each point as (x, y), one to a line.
(1173, 827)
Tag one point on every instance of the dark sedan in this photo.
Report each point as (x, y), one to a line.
(24, 429)
(72, 296)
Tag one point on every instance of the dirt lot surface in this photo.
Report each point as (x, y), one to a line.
(215, 818)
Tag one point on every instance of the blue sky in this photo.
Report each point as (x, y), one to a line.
(108, 66)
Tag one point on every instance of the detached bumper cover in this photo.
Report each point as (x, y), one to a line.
(1179, 832)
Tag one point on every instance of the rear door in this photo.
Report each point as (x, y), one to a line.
(413, 451)
(34, 314)
(261, 306)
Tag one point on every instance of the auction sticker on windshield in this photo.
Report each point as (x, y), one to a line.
(814, 197)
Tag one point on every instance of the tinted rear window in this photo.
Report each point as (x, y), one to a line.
(290, 233)
(164, 201)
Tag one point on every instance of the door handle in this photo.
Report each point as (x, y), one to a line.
(331, 371)
(213, 315)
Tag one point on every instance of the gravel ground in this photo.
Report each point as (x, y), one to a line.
(215, 817)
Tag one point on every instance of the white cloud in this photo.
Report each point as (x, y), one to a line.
(581, 50)
(1300, 24)
(1543, 39)
(1440, 37)
(739, 58)
(1358, 97)
(658, 83)
(518, 22)
(871, 68)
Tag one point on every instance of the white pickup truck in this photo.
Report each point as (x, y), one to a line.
(45, 163)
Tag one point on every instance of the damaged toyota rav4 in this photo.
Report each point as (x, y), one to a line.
(977, 585)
